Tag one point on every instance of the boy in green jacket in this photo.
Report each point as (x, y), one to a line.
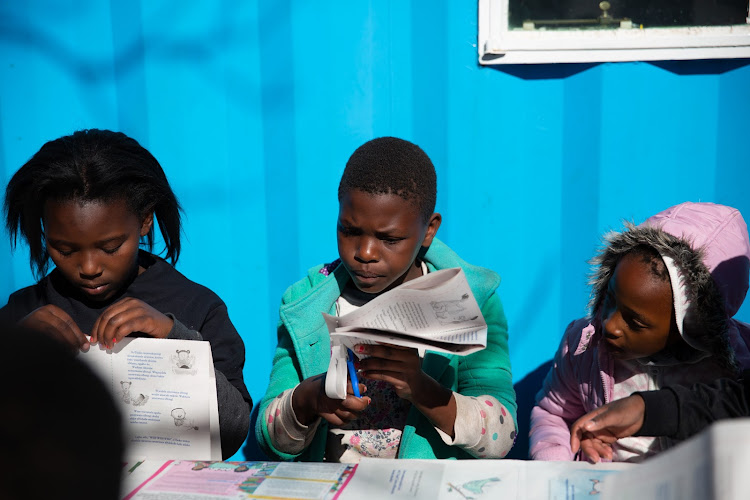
(442, 406)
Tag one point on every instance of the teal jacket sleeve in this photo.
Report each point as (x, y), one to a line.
(488, 371)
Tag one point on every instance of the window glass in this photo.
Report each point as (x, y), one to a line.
(589, 14)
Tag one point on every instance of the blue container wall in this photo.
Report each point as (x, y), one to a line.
(253, 108)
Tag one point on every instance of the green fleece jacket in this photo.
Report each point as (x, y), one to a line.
(303, 351)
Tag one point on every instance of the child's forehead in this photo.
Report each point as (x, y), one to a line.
(634, 273)
(357, 202)
(380, 213)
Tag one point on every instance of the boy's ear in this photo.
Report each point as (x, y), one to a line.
(147, 224)
(432, 227)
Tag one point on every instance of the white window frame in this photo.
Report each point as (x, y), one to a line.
(499, 45)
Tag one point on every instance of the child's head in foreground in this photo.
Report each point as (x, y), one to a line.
(665, 290)
(87, 201)
(386, 213)
(60, 429)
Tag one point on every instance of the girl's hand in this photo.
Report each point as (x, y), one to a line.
(399, 366)
(127, 316)
(309, 402)
(596, 432)
(54, 321)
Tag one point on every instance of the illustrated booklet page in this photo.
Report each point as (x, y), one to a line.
(173, 479)
(436, 312)
(479, 479)
(166, 390)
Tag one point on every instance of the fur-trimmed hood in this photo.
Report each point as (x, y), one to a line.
(710, 252)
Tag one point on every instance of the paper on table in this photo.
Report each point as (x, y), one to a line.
(712, 464)
(236, 480)
(477, 479)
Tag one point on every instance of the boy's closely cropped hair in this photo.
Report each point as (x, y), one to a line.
(664, 294)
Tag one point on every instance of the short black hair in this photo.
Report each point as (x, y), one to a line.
(90, 165)
(388, 165)
(649, 255)
(58, 421)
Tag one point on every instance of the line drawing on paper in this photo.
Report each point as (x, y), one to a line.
(476, 487)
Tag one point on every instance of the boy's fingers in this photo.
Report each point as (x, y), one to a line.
(386, 351)
(356, 404)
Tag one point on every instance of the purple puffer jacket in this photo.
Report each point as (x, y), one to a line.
(710, 247)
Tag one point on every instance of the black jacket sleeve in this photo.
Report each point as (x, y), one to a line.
(679, 412)
(233, 400)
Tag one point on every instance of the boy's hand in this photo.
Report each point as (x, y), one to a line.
(402, 368)
(54, 321)
(399, 366)
(595, 432)
(309, 402)
(126, 316)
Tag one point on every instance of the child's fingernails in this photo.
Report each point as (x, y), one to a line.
(359, 348)
(114, 341)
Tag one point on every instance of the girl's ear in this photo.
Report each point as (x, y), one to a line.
(432, 227)
(147, 224)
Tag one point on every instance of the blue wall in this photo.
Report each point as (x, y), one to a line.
(254, 107)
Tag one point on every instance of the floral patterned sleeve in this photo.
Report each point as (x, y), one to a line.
(483, 427)
(288, 435)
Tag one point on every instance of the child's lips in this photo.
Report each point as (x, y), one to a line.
(95, 290)
(366, 276)
(614, 349)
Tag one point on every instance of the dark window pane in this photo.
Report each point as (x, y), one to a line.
(552, 14)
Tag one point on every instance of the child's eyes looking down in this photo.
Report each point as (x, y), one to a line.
(610, 306)
(348, 232)
(67, 252)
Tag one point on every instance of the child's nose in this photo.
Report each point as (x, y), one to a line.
(611, 325)
(89, 266)
(367, 250)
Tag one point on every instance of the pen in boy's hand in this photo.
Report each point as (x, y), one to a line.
(352, 372)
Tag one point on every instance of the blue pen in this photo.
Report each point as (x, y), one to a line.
(352, 372)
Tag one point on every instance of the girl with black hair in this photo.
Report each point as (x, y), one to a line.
(87, 201)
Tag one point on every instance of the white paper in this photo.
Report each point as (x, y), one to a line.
(712, 465)
(478, 479)
(389, 478)
(436, 312)
(166, 390)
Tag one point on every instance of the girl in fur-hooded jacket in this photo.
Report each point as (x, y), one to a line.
(663, 297)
